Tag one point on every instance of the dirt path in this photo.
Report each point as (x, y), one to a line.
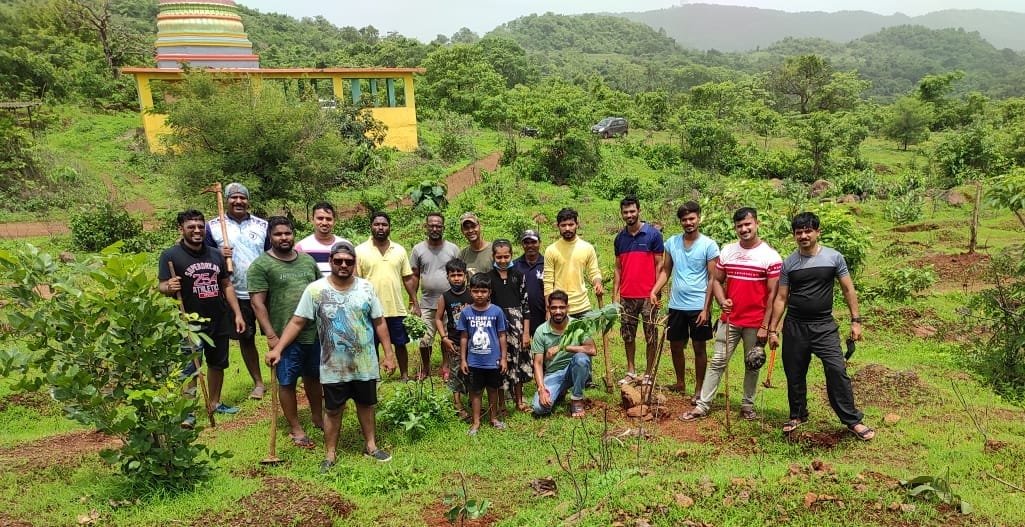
(457, 182)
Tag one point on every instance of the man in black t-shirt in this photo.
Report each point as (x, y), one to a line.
(806, 294)
(202, 279)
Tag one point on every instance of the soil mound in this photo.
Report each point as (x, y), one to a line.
(283, 501)
(880, 386)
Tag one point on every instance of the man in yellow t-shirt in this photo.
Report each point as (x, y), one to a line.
(568, 262)
(385, 264)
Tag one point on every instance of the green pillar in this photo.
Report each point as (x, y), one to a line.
(390, 84)
(373, 91)
(354, 89)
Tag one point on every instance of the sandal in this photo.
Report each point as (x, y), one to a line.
(866, 433)
(257, 393)
(464, 416)
(303, 442)
(524, 407)
(628, 378)
(499, 425)
(792, 425)
(676, 388)
(576, 408)
(325, 466)
(693, 415)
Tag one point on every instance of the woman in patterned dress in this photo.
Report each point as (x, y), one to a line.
(509, 292)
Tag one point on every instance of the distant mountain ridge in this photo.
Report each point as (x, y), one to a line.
(733, 28)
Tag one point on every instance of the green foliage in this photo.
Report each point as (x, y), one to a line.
(808, 83)
(707, 143)
(904, 208)
(829, 143)
(118, 372)
(1008, 191)
(936, 488)
(595, 321)
(286, 150)
(416, 328)
(967, 154)
(463, 507)
(589, 33)
(999, 350)
(900, 284)
(94, 228)
(459, 79)
(455, 137)
(908, 121)
(415, 409)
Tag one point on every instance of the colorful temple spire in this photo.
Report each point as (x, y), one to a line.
(202, 34)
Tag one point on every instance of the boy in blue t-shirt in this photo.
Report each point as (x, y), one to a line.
(482, 349)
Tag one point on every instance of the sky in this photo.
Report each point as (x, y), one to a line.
(425, 19)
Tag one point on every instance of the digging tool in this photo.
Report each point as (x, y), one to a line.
(272, 453)
(726, 378)
(653, 370)
(216, 189)
(605, 350)
(200, 378)
(772, 362)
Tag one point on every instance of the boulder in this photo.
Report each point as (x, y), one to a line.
(818, 188)
(955, 198)
(848, 198)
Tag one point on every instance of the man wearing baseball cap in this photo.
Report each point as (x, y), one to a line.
(348, 316)
(477, 254)
(246, 241)
(531, 265)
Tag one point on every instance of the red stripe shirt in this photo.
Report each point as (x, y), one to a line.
(747, 275)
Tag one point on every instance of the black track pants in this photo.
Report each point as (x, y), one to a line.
(800, 341)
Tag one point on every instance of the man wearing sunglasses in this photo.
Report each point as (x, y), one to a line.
(348, 315)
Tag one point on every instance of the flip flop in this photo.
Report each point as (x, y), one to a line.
(629, 377)
(865, 434)
(576, 409)
(524, 407)
(325, 466)
(257, 393)
(303, 442)
(792, 425)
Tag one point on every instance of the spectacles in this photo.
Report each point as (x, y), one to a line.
(342, 262)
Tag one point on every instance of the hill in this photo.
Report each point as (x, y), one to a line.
(733, 28)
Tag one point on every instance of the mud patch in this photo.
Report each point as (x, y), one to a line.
(812, 439)
(62, 449)
(39, 402)
(6, 521)
(434, 516)
(962, 269)
(916, 227)
(283, 501)
(882, 387)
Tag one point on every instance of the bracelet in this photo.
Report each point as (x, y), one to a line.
(855, 320)
(763, 327)
(773, 333)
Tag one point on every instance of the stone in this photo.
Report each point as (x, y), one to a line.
(891, 419)
(848, 198)
(955, 198)
(684, 501)
(818, 188)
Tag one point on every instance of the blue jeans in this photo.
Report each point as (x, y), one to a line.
(574, 376)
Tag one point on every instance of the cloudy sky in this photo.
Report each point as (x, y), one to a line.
(424, 19)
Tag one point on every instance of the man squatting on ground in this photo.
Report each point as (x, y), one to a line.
(202, 279)
(428, 259)
(247, 238)
(690, 258)
(749, 270)
(806, 295)
(558, 370)
(639, 251)
(348, 316)
(276, 281)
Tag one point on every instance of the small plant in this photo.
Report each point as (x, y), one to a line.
(904, 208)
(901, 283)
(414, 409)
(416, 328)
(428, 195)
(462, 507)
(936, 488)
(94, 228)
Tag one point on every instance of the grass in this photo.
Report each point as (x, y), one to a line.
(752, 477)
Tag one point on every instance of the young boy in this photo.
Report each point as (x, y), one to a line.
(450, 305)
(482, 349)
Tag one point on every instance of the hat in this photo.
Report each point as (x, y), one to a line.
(530, 234)
(236, 188)
(469, 216)
(344, 246)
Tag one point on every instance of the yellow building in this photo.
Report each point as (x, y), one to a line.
(389, 91)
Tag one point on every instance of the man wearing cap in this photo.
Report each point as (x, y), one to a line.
(531, 265)
(247, 240)
(349, 316)
(477, 254)
(428, 260)
(385, 264)
(568, 261)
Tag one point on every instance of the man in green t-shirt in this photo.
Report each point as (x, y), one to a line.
(277, 279)
(558, 370)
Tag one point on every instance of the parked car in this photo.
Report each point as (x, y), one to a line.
(528, 131)
(611, 126)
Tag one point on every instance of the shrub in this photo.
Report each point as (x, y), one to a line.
(905, 208)
(455, 137)
(416, 408)
(900, 284)
(999, 351)
(96, 228)
(119, 372)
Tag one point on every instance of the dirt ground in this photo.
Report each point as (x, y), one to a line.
(962, 269)
(877, 385)
(285, 502)
(434, 516)
(56, 450)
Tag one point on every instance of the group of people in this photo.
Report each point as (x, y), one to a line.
(499, 319)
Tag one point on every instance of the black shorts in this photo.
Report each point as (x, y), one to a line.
(246, 307)
(683, 326)
(364, 393)
(216, 355)
(481, 378)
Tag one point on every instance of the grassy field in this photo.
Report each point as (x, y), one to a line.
(907, 373)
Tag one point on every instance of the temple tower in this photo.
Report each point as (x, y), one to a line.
(202, 34)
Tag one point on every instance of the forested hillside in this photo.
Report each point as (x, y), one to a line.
(735, 28)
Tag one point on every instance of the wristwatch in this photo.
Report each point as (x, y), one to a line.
(855, 320)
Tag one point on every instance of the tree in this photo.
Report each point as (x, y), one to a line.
(707, 142)
(285, 150)
(799, 79)
(459, 79)
(1008, 191)
(908, 121)
(464, 36)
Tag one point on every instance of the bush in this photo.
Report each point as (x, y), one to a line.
(105, 344)
(999, 351)
(455, 137)
(415, 409)
(900, 284)
(94, 229)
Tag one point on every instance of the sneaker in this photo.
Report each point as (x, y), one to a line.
(380, 455)
(190, 422)
(748, 414)
(225, 409)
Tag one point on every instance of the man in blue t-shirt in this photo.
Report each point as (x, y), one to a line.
(690, 258)
(482, 349)
(806, 294)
